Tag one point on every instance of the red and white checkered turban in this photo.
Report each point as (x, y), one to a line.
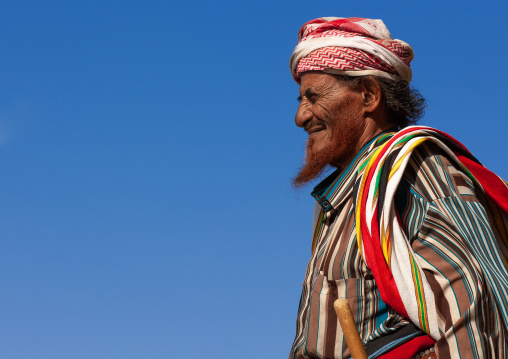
(352, 47)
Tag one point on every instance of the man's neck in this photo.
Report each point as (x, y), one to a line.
(373, 128)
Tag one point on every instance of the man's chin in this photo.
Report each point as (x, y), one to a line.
(317, 162)
(315, 165)
(307, 175)
(338, 152)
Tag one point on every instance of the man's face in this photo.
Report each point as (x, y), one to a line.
(331, 113)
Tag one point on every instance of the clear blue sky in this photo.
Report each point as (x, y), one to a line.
(147, 149)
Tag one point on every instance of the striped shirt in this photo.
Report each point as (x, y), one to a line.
(439, 207)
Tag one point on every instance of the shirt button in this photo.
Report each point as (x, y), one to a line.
(326, 204)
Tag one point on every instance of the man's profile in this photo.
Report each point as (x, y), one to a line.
(410, 228)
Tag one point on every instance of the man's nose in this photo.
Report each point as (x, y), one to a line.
(303, 114)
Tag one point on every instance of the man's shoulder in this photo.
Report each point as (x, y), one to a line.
(432, 174)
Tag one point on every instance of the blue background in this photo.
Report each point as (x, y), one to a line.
(146, 153)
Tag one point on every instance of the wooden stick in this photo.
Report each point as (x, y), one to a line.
(348, 325)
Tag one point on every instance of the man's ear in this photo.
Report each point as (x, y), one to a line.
(371, 94)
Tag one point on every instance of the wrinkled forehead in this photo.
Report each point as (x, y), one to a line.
(324, 85)
(317, 79)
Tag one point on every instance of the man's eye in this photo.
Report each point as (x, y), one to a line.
(311, 96)
(299, 98)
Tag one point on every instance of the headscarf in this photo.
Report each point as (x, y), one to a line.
(351, 47)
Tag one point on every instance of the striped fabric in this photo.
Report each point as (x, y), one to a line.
(384, 244)
(440, 208)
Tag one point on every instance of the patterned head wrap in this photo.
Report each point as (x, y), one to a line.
(352, 47)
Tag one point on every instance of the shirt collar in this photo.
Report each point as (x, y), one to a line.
(334, 189)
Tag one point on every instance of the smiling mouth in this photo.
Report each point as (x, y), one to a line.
(315, 129)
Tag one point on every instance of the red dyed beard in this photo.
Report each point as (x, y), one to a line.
(346, 134)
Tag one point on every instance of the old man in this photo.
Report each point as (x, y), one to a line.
(410, 228)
